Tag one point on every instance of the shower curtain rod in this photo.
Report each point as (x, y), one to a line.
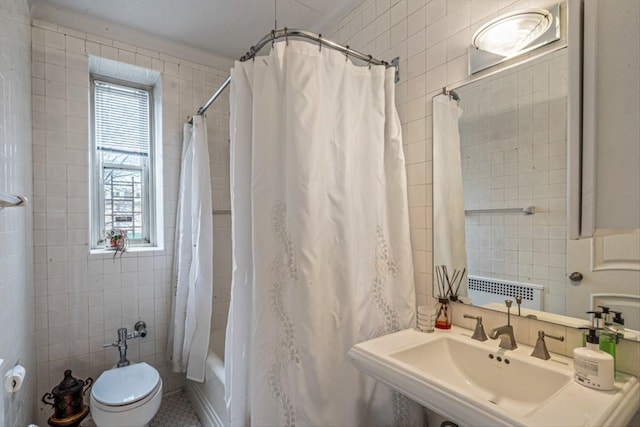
(451, 94)
(286, 33)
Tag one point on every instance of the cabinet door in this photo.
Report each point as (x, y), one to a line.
(611, 117)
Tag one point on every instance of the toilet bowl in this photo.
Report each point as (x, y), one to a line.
(129, 396)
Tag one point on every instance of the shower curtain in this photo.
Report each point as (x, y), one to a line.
(321, 250)
(192, 260)
(449, 242)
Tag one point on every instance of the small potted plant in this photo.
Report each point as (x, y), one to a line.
(116, 240)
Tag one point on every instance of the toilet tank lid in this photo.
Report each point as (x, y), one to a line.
(126, 385)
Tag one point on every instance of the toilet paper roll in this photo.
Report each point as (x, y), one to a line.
(14, 378)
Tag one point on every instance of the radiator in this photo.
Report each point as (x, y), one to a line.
(483, 290)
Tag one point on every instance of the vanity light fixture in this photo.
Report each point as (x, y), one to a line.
(511, 35)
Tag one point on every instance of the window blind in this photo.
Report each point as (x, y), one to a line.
(121, 119)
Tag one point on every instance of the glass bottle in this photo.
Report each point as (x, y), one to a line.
(443, 314)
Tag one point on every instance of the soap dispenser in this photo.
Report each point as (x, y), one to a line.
(618, 322)
(607, 336)
(593, 367)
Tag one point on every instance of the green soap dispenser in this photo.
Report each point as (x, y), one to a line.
(608, 342)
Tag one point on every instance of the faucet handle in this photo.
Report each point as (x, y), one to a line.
(478, 333)
(519, 302)
(540, 351)
(542, 334)
(508, 303)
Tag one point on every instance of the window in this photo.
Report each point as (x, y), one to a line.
(122, 187)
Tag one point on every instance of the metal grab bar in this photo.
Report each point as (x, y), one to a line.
(10, 201)
(529, 210)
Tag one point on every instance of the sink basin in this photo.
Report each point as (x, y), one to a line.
(492, 376)
(476, 383)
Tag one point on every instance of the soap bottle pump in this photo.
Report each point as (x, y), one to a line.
(593, 367)
(618, 322)
(597, 321)
(606, 314)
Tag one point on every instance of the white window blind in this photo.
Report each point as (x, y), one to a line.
(121, 118)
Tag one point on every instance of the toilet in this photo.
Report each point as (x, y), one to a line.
(129, 396)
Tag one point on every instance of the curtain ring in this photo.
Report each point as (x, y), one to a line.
(369, 61)
(346, 54)
(319, 42)
(273, 37)
(286, 36)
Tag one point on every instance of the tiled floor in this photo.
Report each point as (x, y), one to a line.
(175, 411)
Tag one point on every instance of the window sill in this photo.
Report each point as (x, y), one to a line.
(130, 249)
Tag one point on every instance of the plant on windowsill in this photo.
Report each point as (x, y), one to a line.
(116, 240)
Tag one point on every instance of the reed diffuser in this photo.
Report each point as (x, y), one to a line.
(448, 287)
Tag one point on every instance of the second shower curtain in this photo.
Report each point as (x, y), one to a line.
(321, 251)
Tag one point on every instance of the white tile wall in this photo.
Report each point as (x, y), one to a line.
(17, 325)
(513, 148)
(82, 299)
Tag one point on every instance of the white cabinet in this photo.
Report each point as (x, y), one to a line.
(605, 132)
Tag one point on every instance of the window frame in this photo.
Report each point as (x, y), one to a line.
(148, 176)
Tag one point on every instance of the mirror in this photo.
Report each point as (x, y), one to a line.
(512, 128)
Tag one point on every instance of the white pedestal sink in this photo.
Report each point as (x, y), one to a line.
(476, 383)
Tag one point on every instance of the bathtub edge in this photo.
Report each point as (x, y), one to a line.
(201, 405)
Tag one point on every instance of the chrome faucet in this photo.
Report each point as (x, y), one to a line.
(478, 333)
(140, 331)
(540, 351)
(507, 341)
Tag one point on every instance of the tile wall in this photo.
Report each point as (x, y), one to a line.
(513, 143)
(17, 343)
(82, 299)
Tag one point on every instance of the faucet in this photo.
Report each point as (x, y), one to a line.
(478, 333)
(540, 351)
(507, 341)
(140, 330)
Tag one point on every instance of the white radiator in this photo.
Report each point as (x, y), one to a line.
(483, 290)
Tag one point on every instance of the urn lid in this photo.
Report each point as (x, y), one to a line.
(68, 385)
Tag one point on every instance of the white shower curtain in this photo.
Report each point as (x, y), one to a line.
(449, 242)
(192, 263)
(321, 250)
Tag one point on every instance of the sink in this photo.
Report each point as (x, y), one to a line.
(492, 376)
(477, 383)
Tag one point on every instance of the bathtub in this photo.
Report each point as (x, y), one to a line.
(208, 398)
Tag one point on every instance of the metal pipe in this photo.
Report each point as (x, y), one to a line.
(286, 33)
(217, 93)
(451, 94)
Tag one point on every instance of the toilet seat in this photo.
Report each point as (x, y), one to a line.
(96, 405)
(126, 386)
